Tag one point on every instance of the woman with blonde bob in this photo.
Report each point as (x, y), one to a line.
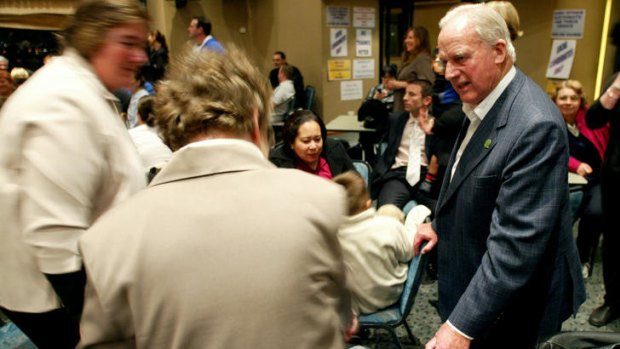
(587, 150)
(65, 159)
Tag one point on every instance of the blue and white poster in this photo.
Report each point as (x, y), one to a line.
(338, 42)
(561, 59)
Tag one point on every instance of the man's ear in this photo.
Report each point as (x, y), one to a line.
(428, 100)
(257, 134)
(501, 51)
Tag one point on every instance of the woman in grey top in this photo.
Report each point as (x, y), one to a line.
(416, 64)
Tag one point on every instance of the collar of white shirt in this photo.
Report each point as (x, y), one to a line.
(209, 37)
(481, 110)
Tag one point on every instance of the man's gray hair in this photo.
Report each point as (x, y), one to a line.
(4, 59)
(486, 22)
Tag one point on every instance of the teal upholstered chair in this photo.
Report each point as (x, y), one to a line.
(310, 92)
(363, 168)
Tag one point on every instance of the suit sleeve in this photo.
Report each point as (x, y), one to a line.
(524, 222)
(597, 116)
(61, 166)
(96, 328)
(106, 320)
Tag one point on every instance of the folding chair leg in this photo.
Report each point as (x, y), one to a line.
(412, 338)
(395, 337)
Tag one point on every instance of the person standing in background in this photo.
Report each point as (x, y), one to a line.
(158, 57)
(65, 159)
(603, 111)
(199, 30)
(416, 64)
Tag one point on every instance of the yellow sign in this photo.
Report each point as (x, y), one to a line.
(339, 69)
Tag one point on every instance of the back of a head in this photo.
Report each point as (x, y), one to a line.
(93, 19)
(507, 10)
(146, 105)
(212, 93)
(357, 194)
(390, 70)
(287, 70)
(485, 21)
(19, 75)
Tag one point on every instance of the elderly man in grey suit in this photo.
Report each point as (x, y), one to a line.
(508, 268)
(222, 250)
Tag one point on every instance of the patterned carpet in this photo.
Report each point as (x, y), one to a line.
(424, 320)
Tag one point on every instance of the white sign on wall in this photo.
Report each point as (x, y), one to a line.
(568, 24)
(338, 42)
(364, 17)
(351, 90)
(363, 69)
(561, 59)
(363, 43)
(338, 16)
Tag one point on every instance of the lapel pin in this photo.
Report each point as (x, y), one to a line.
(487, 144)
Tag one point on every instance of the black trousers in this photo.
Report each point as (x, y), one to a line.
(55, 329)
(591, 223)
(58, 328)
(397, 191)
(610, 187)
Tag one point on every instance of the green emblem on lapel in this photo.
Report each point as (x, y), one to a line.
(487, 143)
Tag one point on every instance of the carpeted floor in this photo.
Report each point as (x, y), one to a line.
(424, 320)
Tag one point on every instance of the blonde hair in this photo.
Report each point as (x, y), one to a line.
(19, 75)
(88, 27)
(211, 92)
(574, 85)
(357, 194)
(507, 10)
(390, 210)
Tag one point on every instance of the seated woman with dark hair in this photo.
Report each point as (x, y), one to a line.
(306, 147)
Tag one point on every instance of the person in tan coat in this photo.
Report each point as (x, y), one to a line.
(222, 250)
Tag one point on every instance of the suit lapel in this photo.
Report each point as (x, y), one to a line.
(481, 143)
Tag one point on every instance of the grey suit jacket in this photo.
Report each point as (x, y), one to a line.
(505, 245)
(223, 250)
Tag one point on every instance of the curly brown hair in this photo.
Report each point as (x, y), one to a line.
(211, 92)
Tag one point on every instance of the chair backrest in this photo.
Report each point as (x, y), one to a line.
(363, 168)
(310, 92)
(290, 107)
(414, 280)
